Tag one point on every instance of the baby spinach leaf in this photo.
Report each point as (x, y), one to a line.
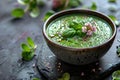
(118, 51)
(30, 42)
(35, 12)
(17, 13)
(112, 1)
(93, 6)
(75, 25)
(27, 55)
(25, 47)
(23, 2)
(28, 51)
(116, 75)
(117, 23)
(80, 33)
(48, 14)
(68, 33)
(74, 3)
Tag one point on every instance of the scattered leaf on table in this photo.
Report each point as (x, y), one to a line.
(116, 75)
(35, 12)
(40, 2)
(112, 1)
(118, 51)
(74, 3)
(25, 47)
(23, 2)
(93, 6)
(48, 14)
(18, 13)
(114, 20)
(30, 42)
(27, 55)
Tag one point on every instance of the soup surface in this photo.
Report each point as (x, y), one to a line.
(79, 31)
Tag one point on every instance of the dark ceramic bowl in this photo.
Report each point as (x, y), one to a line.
(79, 56)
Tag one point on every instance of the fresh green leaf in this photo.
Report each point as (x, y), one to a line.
(116, 75)
(74, 3)
(35, 12)
(25, 47)
(112, 1)
(23, 2)
(32, 5)
(35, 79)
(75, 25)
(40, 2)
(114, 20)
(93, 6)
(48, 14)
(80, 33)
(27, 55)
(118, 51)
(68, 33)
(18, 13)
(30, 42)
(66, 76)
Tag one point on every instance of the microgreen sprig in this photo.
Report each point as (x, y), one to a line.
(28, 50)
(31, 7)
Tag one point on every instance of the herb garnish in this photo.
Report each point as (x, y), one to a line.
(28, 49)
(78, 29)
(65, 76)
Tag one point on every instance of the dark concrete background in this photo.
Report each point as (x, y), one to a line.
(14, 32)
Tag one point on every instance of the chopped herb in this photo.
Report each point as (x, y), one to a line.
(116, 75)
(48, 14)
(112, 1)
(18, 13)
(28, 49)
(93, 6)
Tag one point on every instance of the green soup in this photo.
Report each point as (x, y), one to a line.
(75, 36)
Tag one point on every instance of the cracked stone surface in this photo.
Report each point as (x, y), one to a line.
(13, 32)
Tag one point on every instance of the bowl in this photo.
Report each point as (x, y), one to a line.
(79, 56)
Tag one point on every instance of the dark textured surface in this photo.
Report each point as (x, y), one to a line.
(13, 32)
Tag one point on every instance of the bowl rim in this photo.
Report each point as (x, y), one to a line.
(77, 48)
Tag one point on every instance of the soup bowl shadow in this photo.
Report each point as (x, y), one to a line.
(79, 56)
